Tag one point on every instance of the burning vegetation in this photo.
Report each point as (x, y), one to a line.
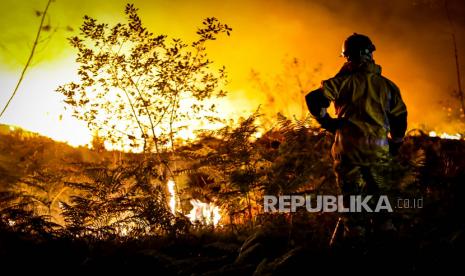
(145, 196)
(207, 216)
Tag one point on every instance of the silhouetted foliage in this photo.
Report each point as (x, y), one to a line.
(18, 213)
(123, 201)
(233, 164)
(140, 89)
(119, 211)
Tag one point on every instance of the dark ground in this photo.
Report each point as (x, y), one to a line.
(430, 239)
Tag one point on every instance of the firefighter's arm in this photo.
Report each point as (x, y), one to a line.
(397, 120)
(317, 104)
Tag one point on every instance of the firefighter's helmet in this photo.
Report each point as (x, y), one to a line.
(357, 45)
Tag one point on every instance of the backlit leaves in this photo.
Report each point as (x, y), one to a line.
(133, 83)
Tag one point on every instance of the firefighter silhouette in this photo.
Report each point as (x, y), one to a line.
(370, 124)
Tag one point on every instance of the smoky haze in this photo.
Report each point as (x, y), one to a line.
(414, 47)
(413, 41)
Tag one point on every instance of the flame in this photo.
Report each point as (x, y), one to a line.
(444, 135)
(124, 231)
(172, 196)
(205, 213)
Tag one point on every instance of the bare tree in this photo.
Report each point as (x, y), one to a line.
(456, 56)
(31, 55)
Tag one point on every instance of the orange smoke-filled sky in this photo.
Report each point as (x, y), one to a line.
(413, 40)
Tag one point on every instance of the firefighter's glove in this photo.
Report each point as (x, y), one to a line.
(394, 146)
(328, 123)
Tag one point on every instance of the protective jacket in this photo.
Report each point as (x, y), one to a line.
(369, 109)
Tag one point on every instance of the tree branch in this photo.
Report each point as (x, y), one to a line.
(31, 55)
(456, 56)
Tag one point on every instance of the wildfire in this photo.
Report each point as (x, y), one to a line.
(258, 134)
(205, 213)
(444, 135)
(172, 196)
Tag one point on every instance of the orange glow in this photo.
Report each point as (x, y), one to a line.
(201, 212)
(264, 34)
(444, 135)
(172, 193)
(37, 108)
